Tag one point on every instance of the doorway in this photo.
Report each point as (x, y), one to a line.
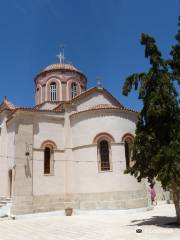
(10, 182)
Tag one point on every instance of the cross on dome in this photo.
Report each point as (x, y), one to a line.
(61, 57)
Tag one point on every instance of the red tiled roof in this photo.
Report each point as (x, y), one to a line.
(126, 110)
(26, 109)
(103, 106)
(60, 66)
(9, 104)
(6, 105)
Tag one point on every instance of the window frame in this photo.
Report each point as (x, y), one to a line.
(128, 140)
(53, 91)
(104, 162)
(99, 138)
(74, 93)
(51, 160)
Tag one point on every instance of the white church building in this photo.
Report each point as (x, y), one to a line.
(70, 150)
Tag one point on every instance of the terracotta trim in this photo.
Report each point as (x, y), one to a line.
(49, 143)
(44, 72)
(103, 135)
(105, 108)
(127, 135)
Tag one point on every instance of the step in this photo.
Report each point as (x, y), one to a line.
(5, 210)
(5, 199)
(4, 202)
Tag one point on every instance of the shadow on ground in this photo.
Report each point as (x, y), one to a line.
(160, 221)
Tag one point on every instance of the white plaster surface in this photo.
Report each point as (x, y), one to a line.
(109, 225)
(93, 100)
(7, 147)
(49, 106)
(48, 129)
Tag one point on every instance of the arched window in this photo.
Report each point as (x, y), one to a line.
(74, 89)
(128, 148)
(103, 141)
(53, 91)
(37, 96)
(48, 160)
(104, 155)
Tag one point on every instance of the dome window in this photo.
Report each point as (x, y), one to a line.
(74, 90)
(37, 95)
(53, 91)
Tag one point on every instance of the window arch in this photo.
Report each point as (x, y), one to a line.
(48, 159)
(128, 140)
(53, 91)
(74, 89)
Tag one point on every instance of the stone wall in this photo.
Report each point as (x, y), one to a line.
(22, 189)
(91, 201)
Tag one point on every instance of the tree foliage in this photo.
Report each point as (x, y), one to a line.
(156, 148)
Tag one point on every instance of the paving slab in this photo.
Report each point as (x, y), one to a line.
(110, 225)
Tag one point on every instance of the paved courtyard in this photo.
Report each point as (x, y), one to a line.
(101, 225)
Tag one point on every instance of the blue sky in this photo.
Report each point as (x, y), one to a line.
(101, 38)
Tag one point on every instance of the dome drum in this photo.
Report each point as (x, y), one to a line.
(59, 82)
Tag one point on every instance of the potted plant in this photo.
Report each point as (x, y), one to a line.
(68, 211)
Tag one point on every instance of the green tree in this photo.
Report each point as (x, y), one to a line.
(156, 149)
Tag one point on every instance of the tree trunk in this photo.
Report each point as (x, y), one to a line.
(176, 200)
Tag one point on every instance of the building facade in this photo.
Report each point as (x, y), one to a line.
(70, 150)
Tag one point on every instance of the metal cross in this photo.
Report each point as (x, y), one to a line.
(61, 57)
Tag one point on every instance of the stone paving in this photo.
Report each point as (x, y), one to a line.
(102, 225)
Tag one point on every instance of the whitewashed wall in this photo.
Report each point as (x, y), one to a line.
(48, 129)
(3, 159)
(87, 178)
(93, 100)
(7, 148)
(86, 126)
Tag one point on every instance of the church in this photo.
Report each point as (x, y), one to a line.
(69, 150)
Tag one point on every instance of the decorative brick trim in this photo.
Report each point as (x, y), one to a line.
(127, 135)
(103, 135)
(49, 143)
(59, 68)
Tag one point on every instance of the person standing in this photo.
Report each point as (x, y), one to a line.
(153, 194)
